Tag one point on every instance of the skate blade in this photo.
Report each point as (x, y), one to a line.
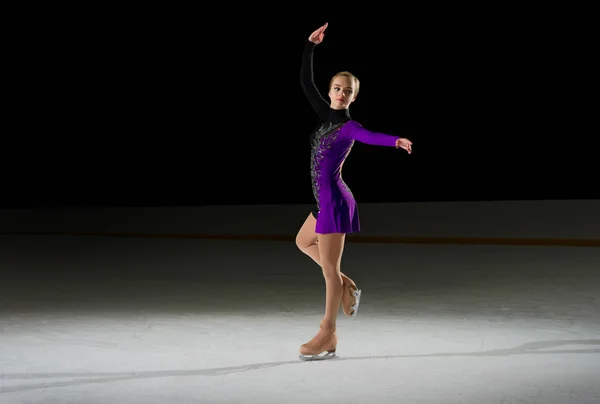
(357, 293)
(318, 357)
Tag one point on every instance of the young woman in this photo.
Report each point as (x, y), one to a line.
(322, 235)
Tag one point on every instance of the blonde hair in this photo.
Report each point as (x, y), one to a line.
(351, 77)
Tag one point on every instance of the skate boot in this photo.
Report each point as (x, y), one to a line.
(350, 298)
(321, 346)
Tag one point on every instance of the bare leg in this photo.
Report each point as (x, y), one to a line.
(331, 247)
(308, 242)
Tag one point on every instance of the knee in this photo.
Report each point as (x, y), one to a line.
(300, 242)
(331, 271)
(303, 243)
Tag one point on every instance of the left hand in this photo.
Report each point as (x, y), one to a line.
(317, 36)
(405, 144)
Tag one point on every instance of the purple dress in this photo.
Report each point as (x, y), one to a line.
(331, 143)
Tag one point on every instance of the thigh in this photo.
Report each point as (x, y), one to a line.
(306, 235)
(331, 248)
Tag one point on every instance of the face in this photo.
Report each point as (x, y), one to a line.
(342, 92)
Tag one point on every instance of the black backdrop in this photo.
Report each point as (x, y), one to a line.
(147, 108)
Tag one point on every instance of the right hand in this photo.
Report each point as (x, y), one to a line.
(317, 36)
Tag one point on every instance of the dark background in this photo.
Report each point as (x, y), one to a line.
(152, 107)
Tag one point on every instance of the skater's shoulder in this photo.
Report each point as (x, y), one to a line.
(352, 124)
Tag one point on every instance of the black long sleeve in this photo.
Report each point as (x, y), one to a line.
(307, 82)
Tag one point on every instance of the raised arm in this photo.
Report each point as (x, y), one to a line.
(311, 92)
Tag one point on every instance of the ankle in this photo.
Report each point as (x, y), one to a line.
(327, 325)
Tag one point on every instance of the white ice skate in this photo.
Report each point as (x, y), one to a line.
(354, 308)
(350, 299)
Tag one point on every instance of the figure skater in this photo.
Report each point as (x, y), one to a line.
(322, 236)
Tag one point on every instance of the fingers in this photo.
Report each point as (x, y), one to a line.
(321, 30)
(405, 144)
(317, 35)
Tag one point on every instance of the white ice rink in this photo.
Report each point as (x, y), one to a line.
(89, 320)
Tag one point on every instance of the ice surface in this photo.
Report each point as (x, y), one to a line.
(124, 320)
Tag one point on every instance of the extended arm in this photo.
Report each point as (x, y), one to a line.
(357, 132)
